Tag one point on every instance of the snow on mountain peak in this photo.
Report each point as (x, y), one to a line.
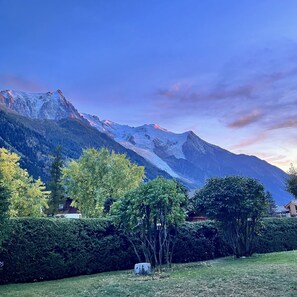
(155, 126)
(108, 122)
(149, 140)
(50, 105)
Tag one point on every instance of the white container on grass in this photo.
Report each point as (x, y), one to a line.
(142, 268)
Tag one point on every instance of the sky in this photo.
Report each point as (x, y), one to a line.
(226, 70)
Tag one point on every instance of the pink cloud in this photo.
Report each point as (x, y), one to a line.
(246, 119)
(250, 141)
(288, 123)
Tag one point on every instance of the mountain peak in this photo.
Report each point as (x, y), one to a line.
(183, 156)
(50, 105)
(156, 126)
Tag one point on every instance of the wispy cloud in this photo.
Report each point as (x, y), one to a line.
(287, 123)
(188, 93)
(246, 119)
(260, 92)
(251, 140)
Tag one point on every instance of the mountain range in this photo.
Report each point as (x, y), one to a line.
(33, 124)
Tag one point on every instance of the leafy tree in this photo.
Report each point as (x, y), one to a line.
(148, 216)
(4, 198)
(97, 176)
(57, 195)
(238, 204)
(28, 196)
(291, 181)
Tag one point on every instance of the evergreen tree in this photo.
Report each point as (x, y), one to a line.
(57, 196)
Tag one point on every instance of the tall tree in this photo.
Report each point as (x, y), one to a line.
(55, 185)
(97, 176)
(291, 181)
(149, 216)
(238, 204)
(28, 196)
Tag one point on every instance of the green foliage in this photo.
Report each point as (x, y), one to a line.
(97, 176)
(4, 203)
(148, 215)
(277, 234)
(291, 182)
(238, 204)
(41, 249)
(28, 196)
(198, 242)
(57, 195)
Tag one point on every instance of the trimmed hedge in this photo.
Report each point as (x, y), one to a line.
(43, 249)
(198, 242)
(278, 234)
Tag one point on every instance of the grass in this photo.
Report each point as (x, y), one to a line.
(261, 275)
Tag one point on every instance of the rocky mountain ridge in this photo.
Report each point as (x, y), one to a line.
(49, 106)
(184, 156)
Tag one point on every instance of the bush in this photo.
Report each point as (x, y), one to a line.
(43, 249)
(198, 242)
(278, 234)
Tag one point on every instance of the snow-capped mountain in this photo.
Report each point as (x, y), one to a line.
(50, 105)
(189, 158)
(144, 140)
(184, 156)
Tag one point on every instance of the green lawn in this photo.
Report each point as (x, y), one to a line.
(261, 275)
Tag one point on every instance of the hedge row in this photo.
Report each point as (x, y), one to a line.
(278, 234)
(40, 249)
(43, 249)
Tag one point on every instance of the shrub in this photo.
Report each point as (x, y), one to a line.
(43, 249)
(198, 242)
(277, 234)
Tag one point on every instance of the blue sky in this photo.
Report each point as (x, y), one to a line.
(225, 69)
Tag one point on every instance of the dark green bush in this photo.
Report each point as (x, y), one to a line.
(278, 234)
(199, 241)
(42, 249)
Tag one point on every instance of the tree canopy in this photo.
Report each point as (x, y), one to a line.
(148, 215)
(97, 176)
(27, 196)
(291, 181)
(237, 203)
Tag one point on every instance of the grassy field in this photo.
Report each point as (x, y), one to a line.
(261, 275)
